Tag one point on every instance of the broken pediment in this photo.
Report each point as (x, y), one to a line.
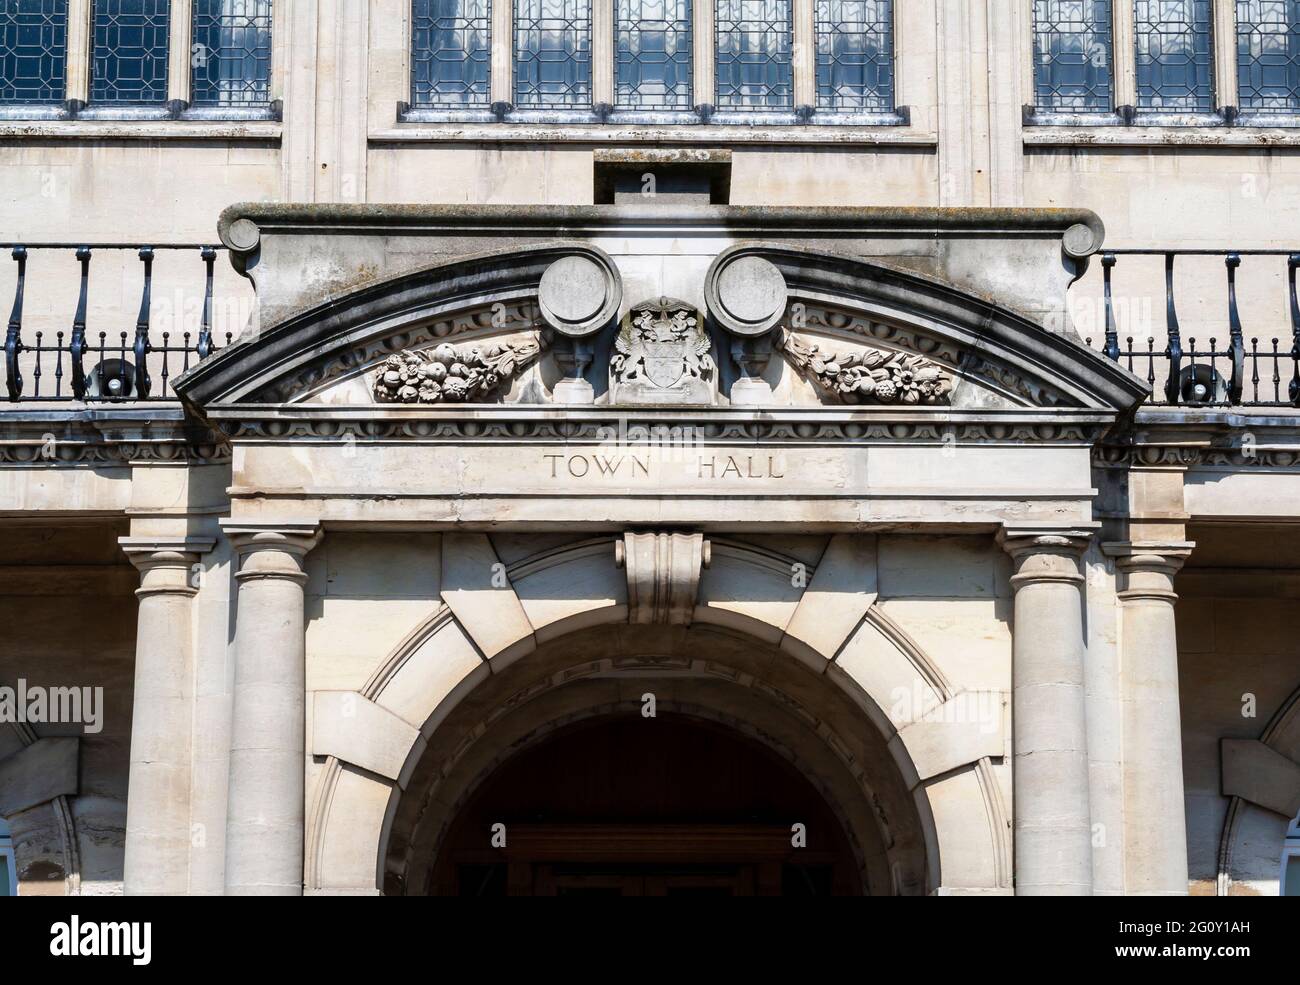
(803, 328)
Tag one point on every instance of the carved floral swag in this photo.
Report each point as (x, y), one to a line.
(870, 375)
(453, 375)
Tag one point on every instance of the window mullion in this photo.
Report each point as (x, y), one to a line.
(1225, 53)
(704, 53)
(805, 53)
(280, 11)
(602, 52)
(503, 48)
(1123, 54)
(78, 67)
(180, 30)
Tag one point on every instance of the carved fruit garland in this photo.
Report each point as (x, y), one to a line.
(451, 374)
(870, 375)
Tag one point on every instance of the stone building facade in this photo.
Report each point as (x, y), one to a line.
(553, 447)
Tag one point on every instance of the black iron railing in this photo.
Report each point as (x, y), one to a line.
(81, 363)
(1228, 370)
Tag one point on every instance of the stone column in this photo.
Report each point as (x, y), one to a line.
(1053, 823)
(264, 818)
(1155, 856)
(158, 792)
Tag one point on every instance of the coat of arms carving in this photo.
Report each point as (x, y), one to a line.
(661, 355)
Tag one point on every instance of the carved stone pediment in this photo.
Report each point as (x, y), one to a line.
(661, 355)
(455, 374)
(869, 375)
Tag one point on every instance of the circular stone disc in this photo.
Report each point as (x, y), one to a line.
(573, 289)
(243, 234)
(752, 290)
(1079, 240)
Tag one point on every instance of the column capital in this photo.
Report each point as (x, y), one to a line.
(1148, 567)
(271, 548)
(165, 563)
(1017, 537)
(1139, 553)
(1045, 554)
(141, 550)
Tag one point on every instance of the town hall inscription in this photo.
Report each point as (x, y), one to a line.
(645, 465)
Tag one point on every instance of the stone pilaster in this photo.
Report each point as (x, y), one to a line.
(158, 794)
(1053, 824)
(1154, 818)
(264, 819)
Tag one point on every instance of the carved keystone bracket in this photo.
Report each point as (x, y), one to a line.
(663, 575)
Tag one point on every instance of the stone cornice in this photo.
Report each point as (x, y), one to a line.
(543, 424)
(117, 434)
(303, 258)
(1220, 439)
(242, 224)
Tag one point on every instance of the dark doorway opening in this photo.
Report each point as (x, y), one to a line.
(632, 806)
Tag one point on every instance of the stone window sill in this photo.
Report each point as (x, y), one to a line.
(1160, 136)
(715, 134)
(167, 129)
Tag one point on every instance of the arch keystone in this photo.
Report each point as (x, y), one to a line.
(663, 575)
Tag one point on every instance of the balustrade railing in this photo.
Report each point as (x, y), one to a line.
(1235, 366)
(86, 363)
(1233, 369)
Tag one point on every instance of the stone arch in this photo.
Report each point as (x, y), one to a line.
(1262, 778)
(829, 659)
(38, 777)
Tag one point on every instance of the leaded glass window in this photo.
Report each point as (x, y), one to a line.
(130, 53)
(33, 50)
(451, 47)
(855, 65)
(754, 54)
(1072, 55)
(552, 54)
(652, 41)
(230, 53)
(1174, 60)
(1268, 55)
